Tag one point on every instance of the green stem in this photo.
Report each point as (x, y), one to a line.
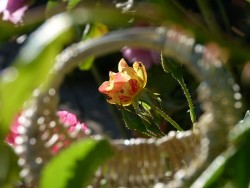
(173, 68)
(188, 97)
(166, 117)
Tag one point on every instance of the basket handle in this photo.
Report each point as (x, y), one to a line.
(216, 91)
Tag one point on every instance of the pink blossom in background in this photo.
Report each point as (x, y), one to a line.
(13, 10)
(64, 116)
(147, 57)
(10, 138)
(70, 119)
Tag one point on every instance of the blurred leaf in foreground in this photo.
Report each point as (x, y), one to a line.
(231, 168)
(9, 169)
(32, 65)
(75, 166)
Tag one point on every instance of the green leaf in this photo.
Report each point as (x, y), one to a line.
(146, 97)
(7, 29)
(242, 130)
(135, 122)
(9, 171)
(72, 4)
(50, 7)
(75, 165)
(87, 64)
(150, 119)
(32, 65)
(151, 126)
(172, 67)
(214, 172)
(232, 166)
(241, 164)
(92, 31)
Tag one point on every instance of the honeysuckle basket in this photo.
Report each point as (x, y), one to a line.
(175, 160)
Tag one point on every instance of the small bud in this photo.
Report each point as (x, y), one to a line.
(171, 67)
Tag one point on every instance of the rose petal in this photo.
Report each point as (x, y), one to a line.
(67, 118)
(122, 64)
(141, 73)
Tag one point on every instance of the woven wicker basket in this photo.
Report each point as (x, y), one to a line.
(174, 160)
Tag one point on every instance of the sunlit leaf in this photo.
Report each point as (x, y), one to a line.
(150, 119)
(75, 165)
(92, 31)
(135, 122)
(215, 171)
(32, 65)
(87, 64)
(232, 166)
(241, 130)
(73, 3)
(51, 5)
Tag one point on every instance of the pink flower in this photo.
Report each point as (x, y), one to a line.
(64, 116)
(71, 120)
(10, 138)
(147, 57)
(13, 10)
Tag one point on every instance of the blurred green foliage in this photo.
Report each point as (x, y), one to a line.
(35, 59)
(75, 165)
